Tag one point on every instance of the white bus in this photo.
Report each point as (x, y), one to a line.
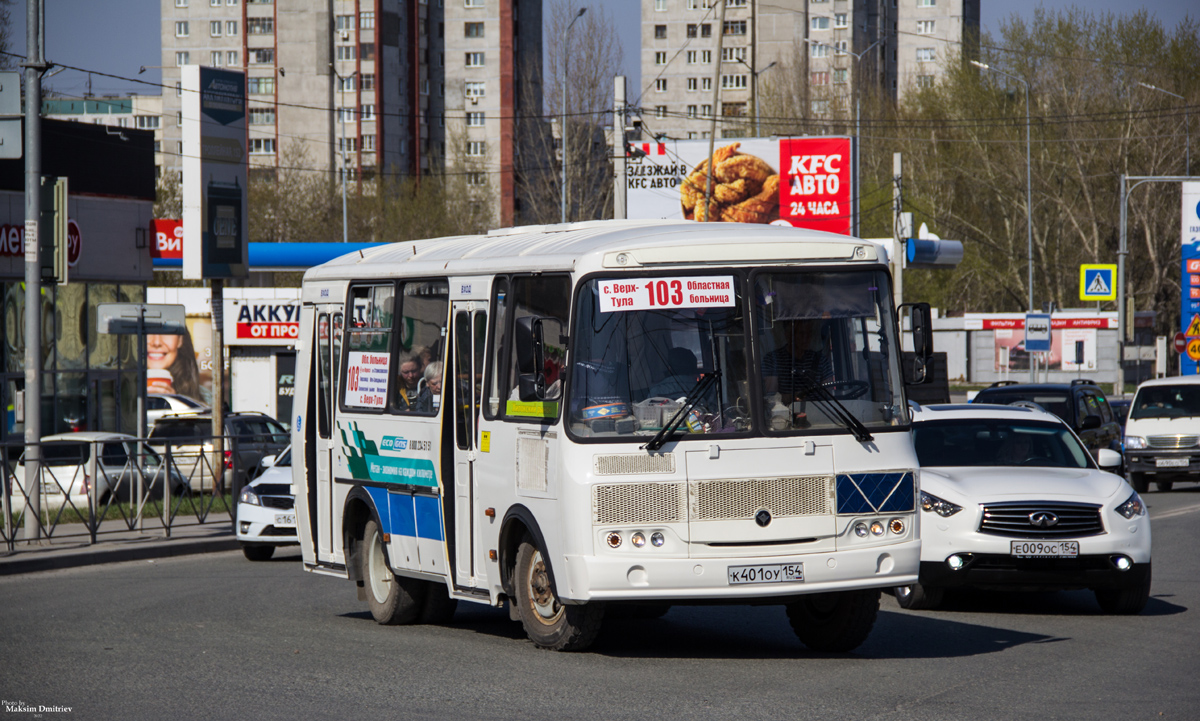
(578, 417)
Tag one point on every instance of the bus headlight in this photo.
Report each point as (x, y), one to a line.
(613, 539)
(860, 529)
(876, 528)
(637, 539)
(896, 525)
(657, 539)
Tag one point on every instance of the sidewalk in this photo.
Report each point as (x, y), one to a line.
(115, 543)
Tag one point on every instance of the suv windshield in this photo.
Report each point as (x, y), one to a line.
(1166, 402)
(988, 442)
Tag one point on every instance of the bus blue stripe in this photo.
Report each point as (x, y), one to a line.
(404, 520)
(429, 517)
(380, 497)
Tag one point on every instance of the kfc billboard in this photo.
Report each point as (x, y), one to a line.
(800, 182)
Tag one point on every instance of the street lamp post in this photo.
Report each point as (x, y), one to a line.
(1187, 126)
(1028, 175)
(566, 54)
(342, 111)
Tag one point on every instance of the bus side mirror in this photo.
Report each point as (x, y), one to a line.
(921, 319)
(531, 359)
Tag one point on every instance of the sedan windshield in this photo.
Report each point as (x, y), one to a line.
(656, 348)
(1166, 402)
(996, 442)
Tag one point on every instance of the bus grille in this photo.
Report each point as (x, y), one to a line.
(625, 463)
(741, 499)
(633, 503)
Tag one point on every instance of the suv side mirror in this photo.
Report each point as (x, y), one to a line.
(531, 358)
(1090, 422)
(1108, 458)
(921, 318)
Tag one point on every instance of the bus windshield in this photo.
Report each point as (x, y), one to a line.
(647, 348)
(671, 350)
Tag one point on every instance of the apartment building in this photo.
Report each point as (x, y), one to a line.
(143, 112)
(817, 49)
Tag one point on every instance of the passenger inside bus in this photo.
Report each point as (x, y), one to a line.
(800, 360)
(681, 364)
(410, 379)
(430, 396)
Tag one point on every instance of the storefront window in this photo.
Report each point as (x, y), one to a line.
(71, 326)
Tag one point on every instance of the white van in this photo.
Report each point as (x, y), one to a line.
(1162, 434)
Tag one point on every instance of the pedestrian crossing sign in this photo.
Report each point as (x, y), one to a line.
(1097, 282)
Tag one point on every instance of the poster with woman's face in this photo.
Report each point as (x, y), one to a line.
(182, 364)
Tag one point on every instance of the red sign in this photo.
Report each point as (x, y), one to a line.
(12, 241)
(268, 331)
(816, 183)
(1180, 342)
(166, 238)
(1193, 265)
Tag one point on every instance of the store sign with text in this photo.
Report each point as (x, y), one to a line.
(262, 322)
(166, 238)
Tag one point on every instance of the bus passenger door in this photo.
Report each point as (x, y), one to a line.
(470, 332)
(328, 346)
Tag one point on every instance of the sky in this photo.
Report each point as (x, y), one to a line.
(119, 37)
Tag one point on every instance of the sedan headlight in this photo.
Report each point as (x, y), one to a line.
(249, 497)
(1132, 506)
(1134, 443)
(945, 509)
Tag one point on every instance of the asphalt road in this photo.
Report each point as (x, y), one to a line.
(218, 637)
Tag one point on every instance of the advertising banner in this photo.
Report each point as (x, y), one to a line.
(1189, 316)
(214, 173)
(799, 182)
(166, 238)
(261, 322)
(1072, 343)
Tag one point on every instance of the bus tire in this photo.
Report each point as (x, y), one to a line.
(835, 622)
(439, 607)
(394, 600)
(918, 597)
(548, 623)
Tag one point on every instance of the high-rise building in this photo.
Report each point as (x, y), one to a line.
(817, 49)
(367, 77)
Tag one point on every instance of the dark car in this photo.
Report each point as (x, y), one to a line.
(249, 438)
(1080, 404)
(1120, 408)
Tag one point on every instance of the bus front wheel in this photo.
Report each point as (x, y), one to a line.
(548, 623)
(834, 622)
(393, 599)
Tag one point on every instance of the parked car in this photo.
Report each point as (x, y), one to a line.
(1010, 499)
(266, 512)
(162, 404)
(67, 476)
(249, 438)
(1080, 404)
(1162, 435)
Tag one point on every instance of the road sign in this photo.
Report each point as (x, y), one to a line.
(159, 318)
(1180, 343)
(1097, 282)
(1193, 349)
(1037, 332)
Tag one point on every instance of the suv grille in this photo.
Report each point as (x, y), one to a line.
(1015, 519)
(1171, 441)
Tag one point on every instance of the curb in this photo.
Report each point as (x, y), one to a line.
(90, 556)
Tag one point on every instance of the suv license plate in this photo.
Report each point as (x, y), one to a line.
(1170, 463)
(285, 519)
(1045, 549)
(775, 573)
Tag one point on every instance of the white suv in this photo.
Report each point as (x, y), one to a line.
(1011, 499)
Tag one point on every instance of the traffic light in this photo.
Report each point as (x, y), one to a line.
(52, 230)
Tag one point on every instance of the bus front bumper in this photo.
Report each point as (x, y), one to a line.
(592, 578)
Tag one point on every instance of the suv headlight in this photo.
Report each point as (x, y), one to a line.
(1133, 506)
(1134, 443)
(945, 509)
(249, 497)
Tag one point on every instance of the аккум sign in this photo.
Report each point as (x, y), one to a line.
(799, 182)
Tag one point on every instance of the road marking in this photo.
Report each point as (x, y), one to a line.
(1177, 512)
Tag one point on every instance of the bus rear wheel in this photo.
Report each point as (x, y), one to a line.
(834, 622)
(393, 599)
(548, 623)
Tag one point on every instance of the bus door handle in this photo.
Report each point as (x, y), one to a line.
(471, 456)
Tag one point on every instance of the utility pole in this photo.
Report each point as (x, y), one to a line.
(716, 108)
(618, 146)
(897, 231)
(34, 67)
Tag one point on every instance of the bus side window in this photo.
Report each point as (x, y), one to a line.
(421, 341)
(369, 342)
(496, 372)
(549, 298)
(324, 378)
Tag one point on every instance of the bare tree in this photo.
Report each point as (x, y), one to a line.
(592, 57)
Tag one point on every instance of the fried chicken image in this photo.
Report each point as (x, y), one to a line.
(745, 189)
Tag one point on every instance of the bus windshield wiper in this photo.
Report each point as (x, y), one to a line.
(832, 407)
(691, 398)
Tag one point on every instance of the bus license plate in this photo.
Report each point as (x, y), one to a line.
(1170, 463)
(1045, 549)
(285, 519)
(775, 573)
